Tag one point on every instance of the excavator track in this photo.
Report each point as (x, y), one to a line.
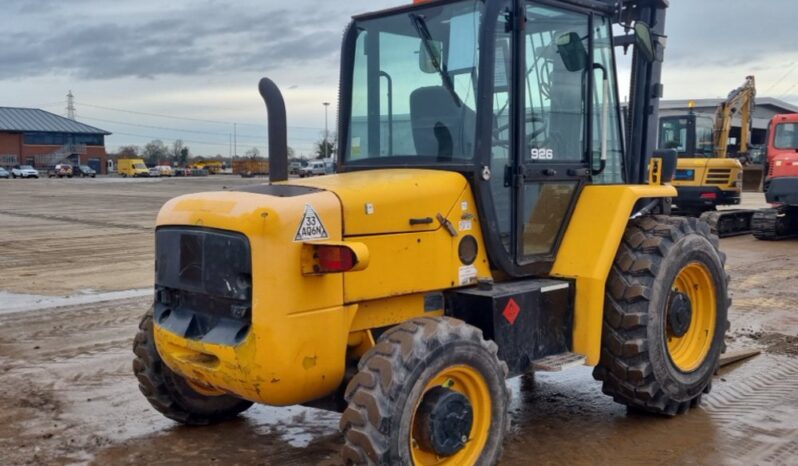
(774, 224)
(725, 223)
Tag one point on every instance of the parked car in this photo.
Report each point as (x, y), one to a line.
(163, 170)
(83, 171)
(24, 171)
(296, 166)
(60, 170)
(154, 172)
(4, 173)
(313, 168)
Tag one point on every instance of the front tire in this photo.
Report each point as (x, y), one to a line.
(169, 393)
(665, 315)
(432, 391)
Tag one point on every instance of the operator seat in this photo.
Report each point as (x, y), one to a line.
(441, 128)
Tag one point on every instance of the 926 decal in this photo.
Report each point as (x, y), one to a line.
(541, 154)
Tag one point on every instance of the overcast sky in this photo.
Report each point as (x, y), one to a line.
(129, 61)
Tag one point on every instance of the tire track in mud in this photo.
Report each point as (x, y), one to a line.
(60, 356)
(59, 218)
(784, 455)
(72, 316)
(756, 412)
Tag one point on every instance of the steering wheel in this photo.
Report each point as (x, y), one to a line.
(530, 137)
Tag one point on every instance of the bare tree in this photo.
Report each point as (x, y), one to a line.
(253, 153)
(155, 151)
(129, 151)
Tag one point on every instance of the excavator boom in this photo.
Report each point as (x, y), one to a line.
(741, 100)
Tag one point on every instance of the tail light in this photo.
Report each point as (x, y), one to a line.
(333, 257)
(709, 195)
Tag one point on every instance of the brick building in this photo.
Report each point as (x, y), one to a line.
(29, 136)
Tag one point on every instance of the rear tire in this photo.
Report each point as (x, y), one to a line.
(384, 422)
(169, 393)
(656, 356)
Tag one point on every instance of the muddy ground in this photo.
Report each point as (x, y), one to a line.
(75, 268)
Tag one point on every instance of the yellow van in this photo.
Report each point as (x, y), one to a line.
(132, 167)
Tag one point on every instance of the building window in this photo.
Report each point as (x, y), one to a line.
(60, 139)
(50, 139)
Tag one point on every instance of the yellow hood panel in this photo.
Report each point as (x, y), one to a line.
(384, 201)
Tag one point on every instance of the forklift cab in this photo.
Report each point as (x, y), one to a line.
(529, 120)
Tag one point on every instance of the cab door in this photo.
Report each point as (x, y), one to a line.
(551, 160)
(553, 120)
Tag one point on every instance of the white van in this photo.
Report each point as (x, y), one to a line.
(313, 168)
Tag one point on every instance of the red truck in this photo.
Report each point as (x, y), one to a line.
(781, 182)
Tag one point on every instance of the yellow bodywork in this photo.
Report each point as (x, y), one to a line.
(296, 347)
(726, 174)
(305, 325)
(587, 252)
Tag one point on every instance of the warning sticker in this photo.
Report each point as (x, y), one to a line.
(467, 274)
(310, 227)
(465, 225)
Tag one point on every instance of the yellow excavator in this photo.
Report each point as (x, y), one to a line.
(706, 177)
(485, 221)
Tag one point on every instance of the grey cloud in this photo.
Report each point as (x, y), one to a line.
(729, 32)
(212, 38)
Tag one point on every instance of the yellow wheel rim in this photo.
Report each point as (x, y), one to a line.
(690, 350)
(469, 382)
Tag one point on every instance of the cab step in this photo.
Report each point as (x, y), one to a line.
(558, 362)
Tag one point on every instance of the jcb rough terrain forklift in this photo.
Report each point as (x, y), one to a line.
(706, 176)
(781, 182)
(486, 221)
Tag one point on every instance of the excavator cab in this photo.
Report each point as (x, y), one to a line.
(690, 135)
(487, 219)
(706, 178)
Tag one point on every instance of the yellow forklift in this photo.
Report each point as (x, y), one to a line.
(707, 176)
(486, 220)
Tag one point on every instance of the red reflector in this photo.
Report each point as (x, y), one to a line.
(335, 259)
(709, 195)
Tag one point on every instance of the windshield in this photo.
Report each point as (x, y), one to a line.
(786, 136)
(673, 134)
(140, 166)
(414, 85)
(26, 167)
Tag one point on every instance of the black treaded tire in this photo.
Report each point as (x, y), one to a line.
(169, 393)
(635, 365)
(392, 376)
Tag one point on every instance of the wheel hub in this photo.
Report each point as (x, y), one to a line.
(680, 313)
(444, 420)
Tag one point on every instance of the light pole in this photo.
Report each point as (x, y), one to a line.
(326, 134)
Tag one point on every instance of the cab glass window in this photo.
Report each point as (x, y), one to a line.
(555, 84)
(704, 135)
(414, 86)
(786, 136)
(673, 134)
(500, 162)
(603, 55)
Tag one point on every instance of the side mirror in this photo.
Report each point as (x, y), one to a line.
(427, 63)
(572, 51)
(643, 41)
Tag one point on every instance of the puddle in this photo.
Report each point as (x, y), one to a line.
(16, 302)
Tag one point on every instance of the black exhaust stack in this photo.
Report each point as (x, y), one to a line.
(278, 130)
